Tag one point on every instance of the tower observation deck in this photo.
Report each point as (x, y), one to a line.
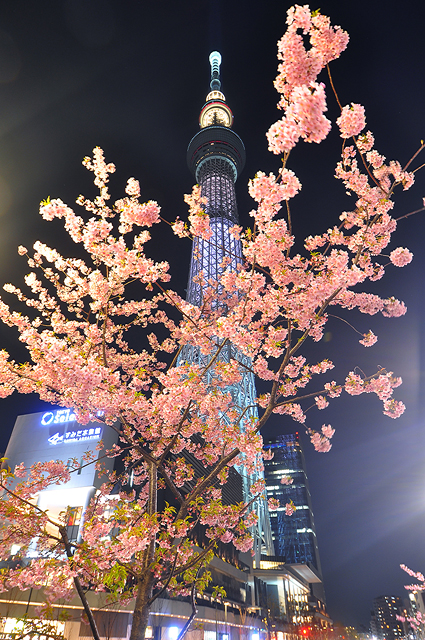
(216, 157)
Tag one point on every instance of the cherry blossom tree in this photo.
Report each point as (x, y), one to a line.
(417, 619)
(86, 315)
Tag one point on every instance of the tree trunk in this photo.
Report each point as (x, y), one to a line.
(142, 608)
(79, 588)
(146, 582)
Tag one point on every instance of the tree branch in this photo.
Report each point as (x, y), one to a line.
(78, 586)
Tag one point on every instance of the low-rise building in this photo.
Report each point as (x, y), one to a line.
(272, 599)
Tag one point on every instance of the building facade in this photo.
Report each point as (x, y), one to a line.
(385, 612)
(56, 435)
(416, 609)
(294, 536)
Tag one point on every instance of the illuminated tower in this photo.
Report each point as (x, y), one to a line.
(216, 156)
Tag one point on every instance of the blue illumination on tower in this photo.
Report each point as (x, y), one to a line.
(216, 156)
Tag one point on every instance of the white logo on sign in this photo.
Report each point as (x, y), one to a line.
(55, 439)
(55, 417)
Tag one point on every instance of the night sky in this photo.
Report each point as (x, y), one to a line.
(131, 77)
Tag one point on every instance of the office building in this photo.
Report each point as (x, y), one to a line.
(55, 435)
(294, 536)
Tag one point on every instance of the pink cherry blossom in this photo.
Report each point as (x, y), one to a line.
(393, 408)
(393, 308)
(273, 504)
(365, 142)
(352, 120)
(400, 257)
(321, 441)
(368, 339)
(419, 576)
(328, 431)
(321, 402)
(133, 188)
(289, 508)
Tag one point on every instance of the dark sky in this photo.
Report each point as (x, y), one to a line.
(131, 77)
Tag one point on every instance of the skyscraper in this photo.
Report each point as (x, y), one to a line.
(216, 156)
(294, 536)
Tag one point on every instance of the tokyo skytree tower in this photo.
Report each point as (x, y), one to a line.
(216, 156)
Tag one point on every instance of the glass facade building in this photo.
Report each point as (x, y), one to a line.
(294, 536)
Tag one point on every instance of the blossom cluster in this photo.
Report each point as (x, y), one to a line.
(303, 99)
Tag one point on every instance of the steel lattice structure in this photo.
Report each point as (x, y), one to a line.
(208, 257)
(216, 155)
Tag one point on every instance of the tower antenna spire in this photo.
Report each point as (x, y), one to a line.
(215, 62)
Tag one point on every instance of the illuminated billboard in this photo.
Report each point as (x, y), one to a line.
(56, 435)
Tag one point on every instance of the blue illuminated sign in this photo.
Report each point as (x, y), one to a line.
(55, 417)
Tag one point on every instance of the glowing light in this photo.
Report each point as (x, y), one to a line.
(56, 417)
(173, 633)
(215, 113)
(215, 61)
(215, 95)
(76, 436)
(12, 625)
